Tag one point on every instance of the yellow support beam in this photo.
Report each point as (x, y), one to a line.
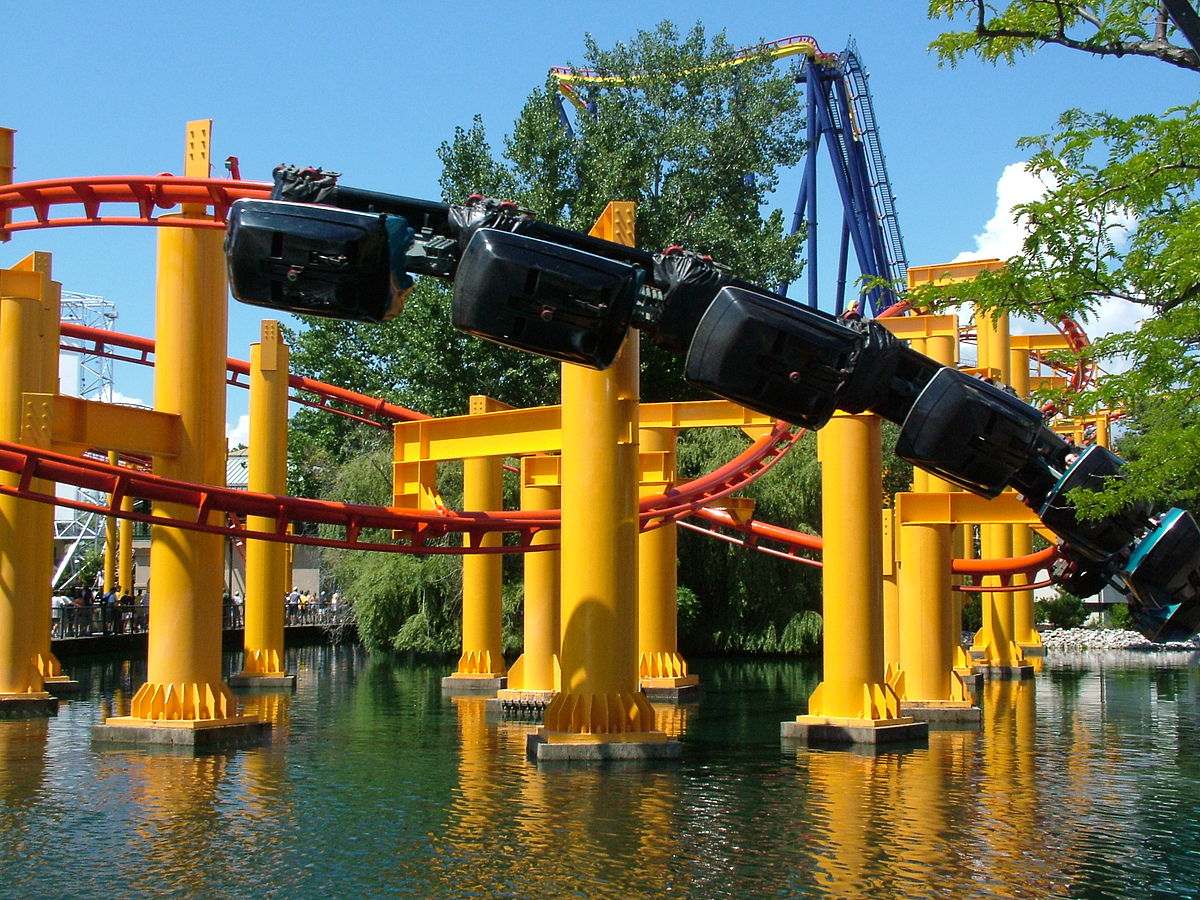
(1039, 343)
(1040, 382)
(962, 509)
(700, 414)
(499, 430)
(910, 328)
(72, 425)
(949, 273)
(504, 431)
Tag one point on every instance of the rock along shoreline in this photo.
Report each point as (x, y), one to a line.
(1074, 639)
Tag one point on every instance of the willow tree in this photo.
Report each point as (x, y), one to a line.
(1117, 224)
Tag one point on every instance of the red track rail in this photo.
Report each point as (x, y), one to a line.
(85, 201)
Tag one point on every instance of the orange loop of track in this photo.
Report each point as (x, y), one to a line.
(40, 200)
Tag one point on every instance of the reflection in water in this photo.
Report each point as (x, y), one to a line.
(1082, 782)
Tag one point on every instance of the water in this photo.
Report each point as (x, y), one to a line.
(1084, 782)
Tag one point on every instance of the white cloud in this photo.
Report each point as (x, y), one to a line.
(239, 434)
(1003, 234)
(1002, 237)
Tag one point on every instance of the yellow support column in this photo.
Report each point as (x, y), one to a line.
(110, 537)
(1025, 631)
(6, 173)
(41, 515)
(891, 605)
(933, 691)
(125, 553)
(929, 634)
(663, 672)
(22, 691)
(853, 704)
(995, 644)
(267, 568)
(600, 713)
(184, 700)
(481, 667)
(535, 677)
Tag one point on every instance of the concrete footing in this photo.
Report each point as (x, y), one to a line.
(544, 746)
(62, 686)
(972, 679)
(283, 682)
(1033, 650)
(819, 731)
(944, 714)
(473, 684)
(38, 705)
(684, 689)
(208, 734)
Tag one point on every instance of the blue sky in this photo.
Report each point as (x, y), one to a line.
(372, 89)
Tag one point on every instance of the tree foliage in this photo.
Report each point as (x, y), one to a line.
(1116, 226)
(1120, 28)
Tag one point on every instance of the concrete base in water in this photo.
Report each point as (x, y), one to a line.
(1033, 650)
(972, 679)
(820, 731)
(944, 714)
(62, 686)
(207, 734)
(546, 746)
(1011, 672)
(684, 689)
(38, 705)
(473, 684)
(286, 682)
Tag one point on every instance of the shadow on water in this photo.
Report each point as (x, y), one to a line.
(1081, 782)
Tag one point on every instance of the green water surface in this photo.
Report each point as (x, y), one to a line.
(1083, 782)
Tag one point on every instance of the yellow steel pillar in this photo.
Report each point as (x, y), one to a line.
(600, 713)
(933, 691)
(929, 632)
(996, 642)
(535, 676)
(110, 537)
(267, 571)
(44, 346)
(481, 665)
(184, 699)
(125, 554)
(853, 703)
(663, 672)
(22, 692)
(891, 604)
(6, 173)
(1025, 631)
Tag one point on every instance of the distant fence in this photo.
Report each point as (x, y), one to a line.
(99, 619)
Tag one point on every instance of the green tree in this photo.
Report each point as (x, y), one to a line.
(1117, 224)
(698, 145)
(1120, 28)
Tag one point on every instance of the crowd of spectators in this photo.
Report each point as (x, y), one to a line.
(88, 611)
(92, 611)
